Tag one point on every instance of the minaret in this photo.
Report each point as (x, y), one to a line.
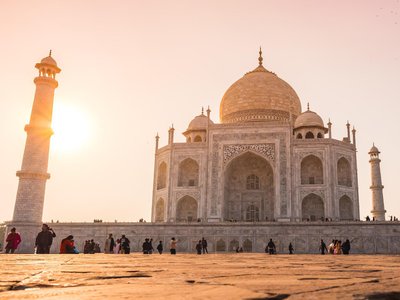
(33, 175)
(378, 208)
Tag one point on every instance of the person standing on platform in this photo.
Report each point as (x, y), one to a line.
(204, 245)
(322, 247)
(291, 249)
(160, 247)
(44, 240)
(109, 244)
(173, 246)
(13, 240)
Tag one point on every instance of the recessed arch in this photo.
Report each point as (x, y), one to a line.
(197, 139)
(248, 180)
(233, 245)
(188, 174)
(312, 208)
(299, 136)
(160, 210)
(311, 170)
(344, 172)
(162, 176)
(319, 135)
(309, 135)
(221, 246)
(346, 208)
(247, 246)
(252, 213)
(186, 209)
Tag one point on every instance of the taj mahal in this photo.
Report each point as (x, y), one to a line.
(268, 169)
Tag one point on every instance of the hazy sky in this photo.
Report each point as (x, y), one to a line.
(132, 68)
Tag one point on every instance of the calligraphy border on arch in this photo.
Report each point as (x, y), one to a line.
(234, 150)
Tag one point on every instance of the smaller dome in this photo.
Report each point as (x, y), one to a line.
(49, 61)
(199, 123)
(308, 119)
(374, 149)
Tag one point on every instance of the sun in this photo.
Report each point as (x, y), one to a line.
(71, 128)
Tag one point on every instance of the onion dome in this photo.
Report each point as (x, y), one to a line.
(199, 123)
(260, 95)
(309, 119)
(374, 150)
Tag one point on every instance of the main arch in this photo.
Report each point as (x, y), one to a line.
(249, 189)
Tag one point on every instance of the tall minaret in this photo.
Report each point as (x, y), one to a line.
(33, 175)
(378, 208)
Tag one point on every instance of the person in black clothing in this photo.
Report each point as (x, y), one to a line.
(204, 245)
(322, 247)
(146, 246)
(126, 249)
(346, 247)
(271, 249)
(160, 247)
(291, 249)
(44, 240)
(199, 247)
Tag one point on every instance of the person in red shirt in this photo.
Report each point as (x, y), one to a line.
(13, 240)
(67, 245)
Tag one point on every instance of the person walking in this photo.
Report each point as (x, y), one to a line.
(291, 249)
(109, 244)
(44, 240)
(199, 247)
(271, 249)
(160, 247)
(146, 246)
(346, 247)
(172, 246)
(322, 247)
(204, 245)
(13, 240)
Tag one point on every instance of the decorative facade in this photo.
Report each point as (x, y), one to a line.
(266, 161)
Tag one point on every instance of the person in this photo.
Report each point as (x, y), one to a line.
(291, 249)
(151, 249)
(199, 247)
(271, 249)
(117, 247)
(338, 247)
(346, 247)
(13, 240)
(322, 247)
(160, 247)
(44, 240)
(173, 246)
(126, 249)
(331, 247)
(109, 244)
(204, 245)
(67, 245)
(146, 246)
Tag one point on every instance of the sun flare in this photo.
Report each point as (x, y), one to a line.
(71, 128)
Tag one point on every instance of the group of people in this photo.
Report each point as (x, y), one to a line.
(335, 247)
(119, 246)
(201, 246)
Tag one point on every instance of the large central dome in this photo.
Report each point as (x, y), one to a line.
(259, 95)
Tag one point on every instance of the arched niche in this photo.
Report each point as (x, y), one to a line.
(299, 136)
(344, 172)
(197, 139)
(247, 246)
(186, 209)
(312, 208)
(221, 246)
(309, 135)
(188, 174)
(253, 171)
(311, 170)
(162, 176)
(233, 245)
(160, 210)
(346, 208)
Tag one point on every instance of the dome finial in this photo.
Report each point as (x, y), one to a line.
(260, 58)
(50, 53)
(308, 106)
(202, 110)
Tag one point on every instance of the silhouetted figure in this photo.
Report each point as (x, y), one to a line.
(109, 244)
(271, 249)
(13, 240)
(346, 247)
(367, 219)
(322, 247)
(160, 247)
(204, 245)
(146, 246)
(125, 245)
(291, 249)
(199, 247)
(44, 240)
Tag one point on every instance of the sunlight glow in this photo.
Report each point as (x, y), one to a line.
(71, 128)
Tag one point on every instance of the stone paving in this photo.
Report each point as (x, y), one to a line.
(190, 276)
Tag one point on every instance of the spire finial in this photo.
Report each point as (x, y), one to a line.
(50, 53)
(260, 58)
(308, 106)
(202, 110)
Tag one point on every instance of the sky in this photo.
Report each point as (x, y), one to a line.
(130, 69)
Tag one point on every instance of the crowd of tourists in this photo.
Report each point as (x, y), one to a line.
(45, 237)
